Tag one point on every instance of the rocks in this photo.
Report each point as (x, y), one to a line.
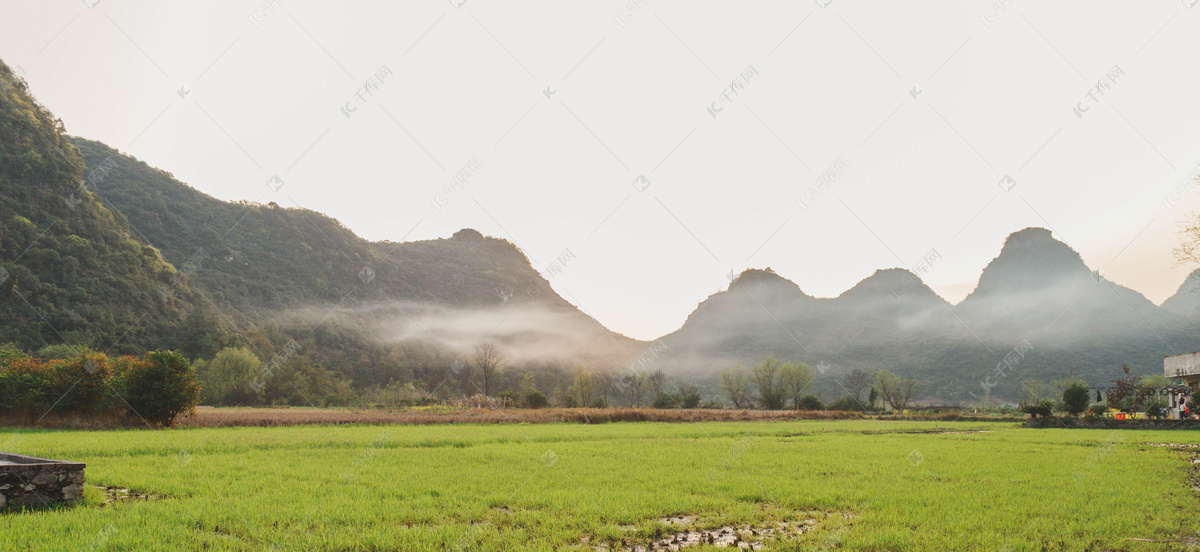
(27, 481)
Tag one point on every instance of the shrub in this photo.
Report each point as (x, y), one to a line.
(536, 400)
(810, 402)
(1075, 399)
(570, 402)
(160, 387)
(1042, 408)
(510, 398)
(1156, 410)
(663, 401)
(1097, 411)
(690, 400)
(846, 404)
(599, 402)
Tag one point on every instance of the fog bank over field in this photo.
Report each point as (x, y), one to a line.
(527, 333)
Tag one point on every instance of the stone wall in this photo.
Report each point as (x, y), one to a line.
(28, 481)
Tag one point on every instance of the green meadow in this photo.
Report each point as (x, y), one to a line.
(859, 485)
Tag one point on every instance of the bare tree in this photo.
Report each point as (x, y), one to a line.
(636, 383)
(657, 381)
(856, 382)
(487, 359)
(766, 378)
(795, 378)
(897, 391)
(736, 386)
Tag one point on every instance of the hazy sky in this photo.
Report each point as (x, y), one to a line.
(663, 144)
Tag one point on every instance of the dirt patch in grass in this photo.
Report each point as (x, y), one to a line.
(681, 532)
(114, 495)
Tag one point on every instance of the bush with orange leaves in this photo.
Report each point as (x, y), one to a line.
(152, 389)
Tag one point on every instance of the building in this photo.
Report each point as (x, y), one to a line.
(1185, 368)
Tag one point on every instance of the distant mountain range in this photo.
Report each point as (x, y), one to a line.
(1037, 306)
(100, 249)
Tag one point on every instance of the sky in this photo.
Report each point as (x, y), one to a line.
(658, 147)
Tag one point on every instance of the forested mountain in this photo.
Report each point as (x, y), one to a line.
(1037, 298)
(71, 271)
(378, 312)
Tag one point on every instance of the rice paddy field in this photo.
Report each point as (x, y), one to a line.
(771, 485)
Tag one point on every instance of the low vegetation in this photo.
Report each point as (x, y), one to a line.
(866, 484)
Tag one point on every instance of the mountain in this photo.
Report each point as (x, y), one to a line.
(1186, 301)
(1038, 313)
(70, 271)
(376, 310)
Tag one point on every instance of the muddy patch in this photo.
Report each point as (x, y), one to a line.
(114, 495)
(681, 532)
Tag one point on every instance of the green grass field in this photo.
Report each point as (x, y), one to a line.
(548, 487)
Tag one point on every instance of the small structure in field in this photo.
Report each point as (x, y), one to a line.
(1187, 369)
(29, 481)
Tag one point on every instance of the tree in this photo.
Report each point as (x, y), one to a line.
(896, 391)
(736, 386)
(1075, 399)
(855, 382)
(770, 387)
(487, 360)
(227, 378)
(161, 388)
(1126, 395)
(584, 386)
(636, 383)
(657, 381)
(689, 395)
(796, 377)
(536, 399)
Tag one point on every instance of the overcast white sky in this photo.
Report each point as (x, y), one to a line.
(566, 104)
